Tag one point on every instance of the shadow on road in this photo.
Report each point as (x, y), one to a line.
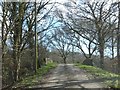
(68, 77)
(68, 85)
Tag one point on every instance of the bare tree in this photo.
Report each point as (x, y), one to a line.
(79, 42)
(60, 42)
(98, 14)
(118, 39)
(18, 29)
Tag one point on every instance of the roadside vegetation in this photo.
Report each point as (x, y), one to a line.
(34, 33)
(111, 79)
(34, 79)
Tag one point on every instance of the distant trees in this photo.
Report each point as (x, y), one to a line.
(60, 42)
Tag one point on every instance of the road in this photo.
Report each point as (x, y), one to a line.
(68, 76)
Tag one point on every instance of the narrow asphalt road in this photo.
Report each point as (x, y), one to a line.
(68, 76)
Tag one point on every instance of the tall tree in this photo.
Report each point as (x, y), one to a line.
(17, 34)
(80, 42)
(36, 48)
(98, 14)
(118, 31)
(118, 38)
(18, 24)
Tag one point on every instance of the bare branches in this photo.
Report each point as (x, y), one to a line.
(91, 21)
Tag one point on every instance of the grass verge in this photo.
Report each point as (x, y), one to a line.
(111, 79)
(34, 79)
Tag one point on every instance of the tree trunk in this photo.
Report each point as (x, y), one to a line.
(88, 60)
(118, 39)
(17, 37)
(101, 51)
(36, 45)
(73, 54)
(101, 42)
(64, 59)
(18, 68)
(112, 45)
(15, 64)
(118, 42)
(3, 42)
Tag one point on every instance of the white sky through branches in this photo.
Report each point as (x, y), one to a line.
(61, 6)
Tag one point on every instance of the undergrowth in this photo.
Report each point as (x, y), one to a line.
(34, 79)
(111, 79)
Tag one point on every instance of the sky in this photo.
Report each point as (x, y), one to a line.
(62, 8)
(107, 51)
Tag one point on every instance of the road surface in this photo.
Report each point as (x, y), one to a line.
(68, 76)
